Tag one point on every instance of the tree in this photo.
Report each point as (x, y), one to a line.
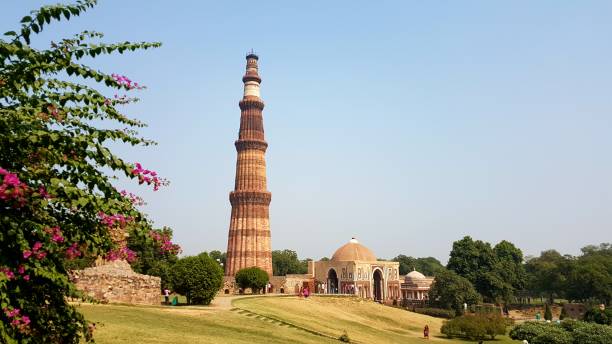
(590, 277)
(57, 199)
(547, 312)
(286, 262)
(156, 254)
(451, 291)
(218, 256)
(427, 266)
(547, 274)
(253, 278)
(199, 278)
(496, 273)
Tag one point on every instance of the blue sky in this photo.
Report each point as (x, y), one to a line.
(407, 124)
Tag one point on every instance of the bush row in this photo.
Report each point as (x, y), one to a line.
(568, 332)
(475, 326)
(437, 312)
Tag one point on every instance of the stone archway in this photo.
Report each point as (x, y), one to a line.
(378, 285)
(332, 282)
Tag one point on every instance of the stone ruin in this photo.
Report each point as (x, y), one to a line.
(116, 282)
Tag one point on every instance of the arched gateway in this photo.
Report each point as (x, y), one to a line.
(332, 282)
(378, 285)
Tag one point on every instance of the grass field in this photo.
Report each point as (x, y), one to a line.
(263, 320)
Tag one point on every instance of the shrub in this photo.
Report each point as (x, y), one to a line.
(199, 278)
(541, 333)
(590, 333)
(563, 314)
(475, 327)
(569, 332)
(344, 338)
(436, 312)
(596, 315)
(254, 278)
(547, 312)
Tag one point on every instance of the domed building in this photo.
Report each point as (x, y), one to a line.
(416, 286)
(354, 269)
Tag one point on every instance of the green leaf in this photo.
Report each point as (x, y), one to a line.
(26, 19)
(10, 33)
(35, 28)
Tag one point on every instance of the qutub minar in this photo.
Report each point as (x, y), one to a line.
(248, 242)
(353, 269)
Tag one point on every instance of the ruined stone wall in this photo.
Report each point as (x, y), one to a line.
(116, 282)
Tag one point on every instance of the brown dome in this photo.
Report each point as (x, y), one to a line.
(353, 250)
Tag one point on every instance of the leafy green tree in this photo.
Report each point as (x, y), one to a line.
(156, 254)
(286, 262)
(57, 200)
(496, 273)
(199, 278)
(590, 277)
(451, 291)
(547, 312)
(547, 274)
(218, 256)
(427, 266)
(254, 278)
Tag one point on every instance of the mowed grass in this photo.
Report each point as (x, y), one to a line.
(142, 324)
(364, 321)
(264, 320)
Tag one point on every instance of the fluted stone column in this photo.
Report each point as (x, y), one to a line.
(248, 241)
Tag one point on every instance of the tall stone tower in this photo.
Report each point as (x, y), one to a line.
(248, 242)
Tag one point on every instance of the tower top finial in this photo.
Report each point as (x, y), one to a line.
(251, 55)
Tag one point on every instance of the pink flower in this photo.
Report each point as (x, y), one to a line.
(26, 277)
(25, 319)
(21, 269)
(27, 254)
(37, 246)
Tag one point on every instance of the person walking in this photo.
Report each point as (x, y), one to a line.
(426, 332)
(167, 296)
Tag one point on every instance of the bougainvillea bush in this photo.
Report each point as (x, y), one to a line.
(57, 199)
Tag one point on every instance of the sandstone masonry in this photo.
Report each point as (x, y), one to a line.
(116, 282)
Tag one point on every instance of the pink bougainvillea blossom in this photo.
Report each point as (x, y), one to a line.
(56, 234)
(72, 251)
(18, 321)
(148, 177)
(12, 188)
(125, 81)
(164, 242)
(43, 192)
(36, 251)
(8, 273)
(122, 253)
(115, 219)
(134, 199)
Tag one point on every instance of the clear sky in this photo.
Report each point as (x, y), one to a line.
(407, 124)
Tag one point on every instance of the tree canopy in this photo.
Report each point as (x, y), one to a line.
(199, 278)
(451, 291)
(287, 262)
(253, 278)
(427, 266)
(496, 272)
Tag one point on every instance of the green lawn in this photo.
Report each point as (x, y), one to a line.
(263, 320)
(141, 324)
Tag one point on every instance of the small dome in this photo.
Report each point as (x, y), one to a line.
(353, 250)
(415, 275)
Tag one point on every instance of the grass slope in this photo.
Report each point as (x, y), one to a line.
(141, 324)
(263, 320)
(364, 321)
